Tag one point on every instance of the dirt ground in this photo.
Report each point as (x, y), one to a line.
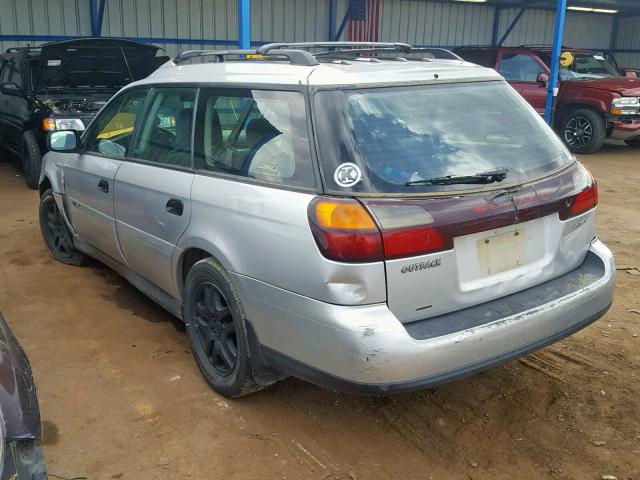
(121, 397)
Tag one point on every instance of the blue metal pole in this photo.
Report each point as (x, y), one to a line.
(552, 84)
(244, 24)
(97, 14)
(332, 18)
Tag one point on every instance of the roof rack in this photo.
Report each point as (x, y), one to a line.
(265, 49)
(296, 57)
(298, 53)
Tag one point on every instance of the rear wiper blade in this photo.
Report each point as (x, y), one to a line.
(479, 178)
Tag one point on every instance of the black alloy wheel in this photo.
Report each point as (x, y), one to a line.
(56, 234)
(215, 328)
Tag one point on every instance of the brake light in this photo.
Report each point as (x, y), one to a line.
(585, 200)
(411, 242)
(344, 231)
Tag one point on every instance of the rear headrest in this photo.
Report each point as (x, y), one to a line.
(183, 129)
(258, 129)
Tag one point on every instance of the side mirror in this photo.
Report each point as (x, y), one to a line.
(630, 73)
(64, 141)
(542, 78)
(11, 89)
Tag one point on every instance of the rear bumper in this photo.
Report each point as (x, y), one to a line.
(366, 349)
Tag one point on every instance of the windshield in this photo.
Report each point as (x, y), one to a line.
(588, 66)
(392, 140)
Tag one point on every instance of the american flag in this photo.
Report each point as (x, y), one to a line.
(363, 20)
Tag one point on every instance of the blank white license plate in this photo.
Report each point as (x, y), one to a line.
(499, 253)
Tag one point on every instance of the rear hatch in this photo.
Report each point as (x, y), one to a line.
(474, 197)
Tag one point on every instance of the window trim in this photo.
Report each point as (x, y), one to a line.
(534, 57)
(313, 156)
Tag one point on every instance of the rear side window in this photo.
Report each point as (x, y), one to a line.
(256, 134)
(519, 67)
(165, 132)
(112, 130)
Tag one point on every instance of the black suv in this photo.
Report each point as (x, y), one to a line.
(61, 86)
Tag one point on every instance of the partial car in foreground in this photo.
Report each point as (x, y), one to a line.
(61, 86)
(20, 430)
(339, 216)
(594, 101)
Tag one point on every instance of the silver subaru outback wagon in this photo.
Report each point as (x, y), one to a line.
(368, 217)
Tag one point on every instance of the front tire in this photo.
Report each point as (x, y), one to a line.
(57, 236)
(633, 142)
(216, 327)
(31, 159)
(583, 130)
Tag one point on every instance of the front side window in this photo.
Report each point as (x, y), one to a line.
(407, 139)
(114, 127)
(165, 135)
(518, 67)
(257, 134)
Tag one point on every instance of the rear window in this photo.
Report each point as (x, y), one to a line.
(389, 140)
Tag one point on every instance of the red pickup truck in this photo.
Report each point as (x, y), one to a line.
(594, 102)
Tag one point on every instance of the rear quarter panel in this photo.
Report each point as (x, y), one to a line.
(263, 233)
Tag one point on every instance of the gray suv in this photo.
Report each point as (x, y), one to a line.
(368, 217)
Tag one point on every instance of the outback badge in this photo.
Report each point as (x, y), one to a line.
(414, 267)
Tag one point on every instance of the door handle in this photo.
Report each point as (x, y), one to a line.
(175, 206)
(103, 186)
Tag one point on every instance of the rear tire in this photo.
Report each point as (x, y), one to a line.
(31, 159)
(55, 232)
(633, 142)
(583, 130)
(216, 327)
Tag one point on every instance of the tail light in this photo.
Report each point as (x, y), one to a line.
(344, 230)
(583, 201)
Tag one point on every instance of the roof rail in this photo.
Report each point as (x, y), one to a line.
(265, 49)
(298, 54)
(189, 54)
(296, 57)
